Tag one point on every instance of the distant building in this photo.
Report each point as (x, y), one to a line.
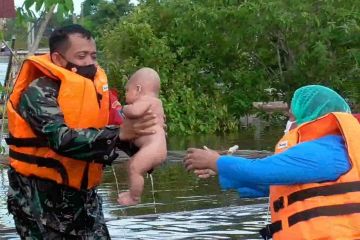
(7, 9)
(4, 50)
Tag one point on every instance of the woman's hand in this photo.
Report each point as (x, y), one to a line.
(199, 159)
(204, 173)
(136, 127)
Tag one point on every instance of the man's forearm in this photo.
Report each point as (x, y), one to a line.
(39, 107)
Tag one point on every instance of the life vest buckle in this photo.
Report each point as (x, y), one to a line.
(270, 229)
(266, 232)
(278, 204)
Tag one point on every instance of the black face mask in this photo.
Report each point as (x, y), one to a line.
(87, 71)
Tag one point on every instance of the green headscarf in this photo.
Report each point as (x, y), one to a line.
(313, 101)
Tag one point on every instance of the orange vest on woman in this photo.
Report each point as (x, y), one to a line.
(84, 103)
(320, 211)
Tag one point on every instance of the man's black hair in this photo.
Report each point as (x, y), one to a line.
(59, 38)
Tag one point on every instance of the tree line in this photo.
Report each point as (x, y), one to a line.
(217, 57)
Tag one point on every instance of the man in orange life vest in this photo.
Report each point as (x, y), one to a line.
(314, 177)
(60, 141)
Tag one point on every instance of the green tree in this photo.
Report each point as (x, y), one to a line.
(217, 57)
(97, 13)
(46, 9)
(89, 7)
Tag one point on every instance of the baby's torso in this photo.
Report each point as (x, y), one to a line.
(156, 108)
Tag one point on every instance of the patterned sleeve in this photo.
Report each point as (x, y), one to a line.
(39, 107)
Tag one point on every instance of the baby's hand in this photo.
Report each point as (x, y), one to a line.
(125, 199)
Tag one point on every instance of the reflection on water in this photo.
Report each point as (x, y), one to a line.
(6, 222)
(261, 136)
(3, 67)
(240, 222)
(186, 207)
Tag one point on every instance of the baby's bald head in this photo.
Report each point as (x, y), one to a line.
(148, 79)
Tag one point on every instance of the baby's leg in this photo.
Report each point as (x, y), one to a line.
(150, 155)
(143, 161)
(136, 180)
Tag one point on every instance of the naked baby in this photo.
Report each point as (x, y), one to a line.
(142, 93)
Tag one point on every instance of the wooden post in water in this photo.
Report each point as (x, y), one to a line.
(8, 70)
(6, 89)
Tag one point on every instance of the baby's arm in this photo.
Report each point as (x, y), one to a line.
(136, 109)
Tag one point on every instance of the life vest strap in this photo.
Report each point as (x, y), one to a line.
(268, 231)
(329, 190)
(27, 142)
(85, 179)
(42, 162)
(333, 210)
(339, 188)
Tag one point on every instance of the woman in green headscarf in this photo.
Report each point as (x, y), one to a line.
(312, 151)
(313, 101)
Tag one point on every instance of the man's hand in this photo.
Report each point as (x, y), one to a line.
(136, 127)
(199, 159)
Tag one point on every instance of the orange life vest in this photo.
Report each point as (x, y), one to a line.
(320, 211)
(84, 103)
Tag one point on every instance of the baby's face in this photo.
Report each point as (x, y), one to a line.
(132, 93)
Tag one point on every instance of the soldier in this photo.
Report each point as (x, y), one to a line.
(60, 141)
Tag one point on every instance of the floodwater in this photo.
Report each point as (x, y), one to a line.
(178, 205)
(3, 67)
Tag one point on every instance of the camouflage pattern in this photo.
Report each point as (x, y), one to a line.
(43, 209)
(39, 107)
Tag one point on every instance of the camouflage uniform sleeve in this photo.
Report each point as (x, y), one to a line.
(39, 107)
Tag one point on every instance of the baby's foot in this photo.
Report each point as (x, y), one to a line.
(125, 199)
